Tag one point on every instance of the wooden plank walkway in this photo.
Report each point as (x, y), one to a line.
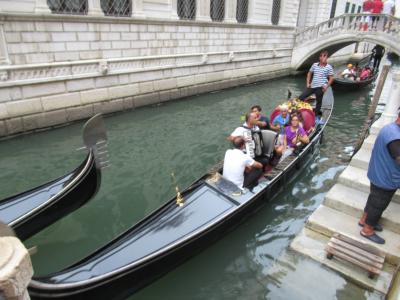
(362, 255)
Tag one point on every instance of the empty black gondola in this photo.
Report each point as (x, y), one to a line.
(171, 234)
(31, 211)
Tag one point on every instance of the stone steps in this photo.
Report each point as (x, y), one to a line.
(369, 142)
(312, 244)
(361, 159)
(352, 202)
(357, 178)
(327, 221)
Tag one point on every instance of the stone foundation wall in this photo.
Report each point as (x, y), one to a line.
(70, 70)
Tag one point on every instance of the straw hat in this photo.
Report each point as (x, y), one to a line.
(349, 66)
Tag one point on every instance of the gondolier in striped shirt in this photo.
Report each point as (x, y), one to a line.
(319, 78)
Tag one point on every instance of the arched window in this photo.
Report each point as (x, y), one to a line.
(71, 7)
(242, 8)
(276, 12)
(217, 10)
(187, 9)
(116, 8)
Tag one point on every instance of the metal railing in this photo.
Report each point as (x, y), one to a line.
(69, 7)
(116, 8)
(217, 10)
(276, 12)
(186, 9)
(353, 23)
(242, 8)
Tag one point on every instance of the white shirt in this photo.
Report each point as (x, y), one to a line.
(347, 72)
(235, 162)
(387, 7)
(241, 130)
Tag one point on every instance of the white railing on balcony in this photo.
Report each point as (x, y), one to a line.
(361, 24)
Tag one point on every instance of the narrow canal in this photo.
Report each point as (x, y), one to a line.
(187, 137)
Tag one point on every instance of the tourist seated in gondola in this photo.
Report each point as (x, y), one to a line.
(349, 72)
(262, 121)
(280, 121)
(365, 74)
(253, 141)
(294, 134)
(239, 167)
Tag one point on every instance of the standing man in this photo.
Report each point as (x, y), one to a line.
(388, 9)
(376, 9)
(319, 78)
(377, 53)
(239, 167)
(384, 175)
(367, 9)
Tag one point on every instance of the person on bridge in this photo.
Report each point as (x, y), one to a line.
(384, 176)
(388, 9)
(367, 9)
(376, 9)
(319, 78)
(377, 53)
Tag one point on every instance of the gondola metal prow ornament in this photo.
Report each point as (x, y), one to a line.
(179, 198)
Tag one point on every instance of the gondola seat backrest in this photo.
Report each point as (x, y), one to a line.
(269, 140)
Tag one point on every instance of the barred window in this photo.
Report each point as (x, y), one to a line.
(333, 9)
(217, 10)
(71, 7)
(347, 8)
(187, 9)
(276, 12)
(116, 8)
(242, 8)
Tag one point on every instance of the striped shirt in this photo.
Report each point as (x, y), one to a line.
(320, 74)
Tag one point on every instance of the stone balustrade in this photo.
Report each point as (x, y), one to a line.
(386, 25)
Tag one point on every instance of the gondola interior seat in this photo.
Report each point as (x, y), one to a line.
(269, 140)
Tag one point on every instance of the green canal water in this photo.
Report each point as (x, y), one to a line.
(187, 137)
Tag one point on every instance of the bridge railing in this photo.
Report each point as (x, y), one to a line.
(352, 23)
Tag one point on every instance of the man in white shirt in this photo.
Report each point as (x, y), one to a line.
(239, 167)
(388, 9)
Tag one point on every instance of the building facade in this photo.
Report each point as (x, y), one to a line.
(65, 60)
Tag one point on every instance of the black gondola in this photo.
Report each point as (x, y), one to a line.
(31, 211)
(172, 233)
(344, 84)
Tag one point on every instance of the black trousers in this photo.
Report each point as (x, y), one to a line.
(378, 201)
(251, 178)
(377, 62)
(318, 94)
(262, 160)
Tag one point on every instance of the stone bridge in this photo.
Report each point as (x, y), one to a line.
(342, 31)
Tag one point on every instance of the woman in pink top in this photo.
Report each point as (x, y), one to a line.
(376, 9)
(365, 73)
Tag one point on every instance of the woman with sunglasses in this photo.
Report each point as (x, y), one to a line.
(294, 134)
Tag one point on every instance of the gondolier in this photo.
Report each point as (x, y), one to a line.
(319, 78)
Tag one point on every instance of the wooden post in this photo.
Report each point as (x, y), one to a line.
(372, 108)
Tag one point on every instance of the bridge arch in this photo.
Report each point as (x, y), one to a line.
(340, 32)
